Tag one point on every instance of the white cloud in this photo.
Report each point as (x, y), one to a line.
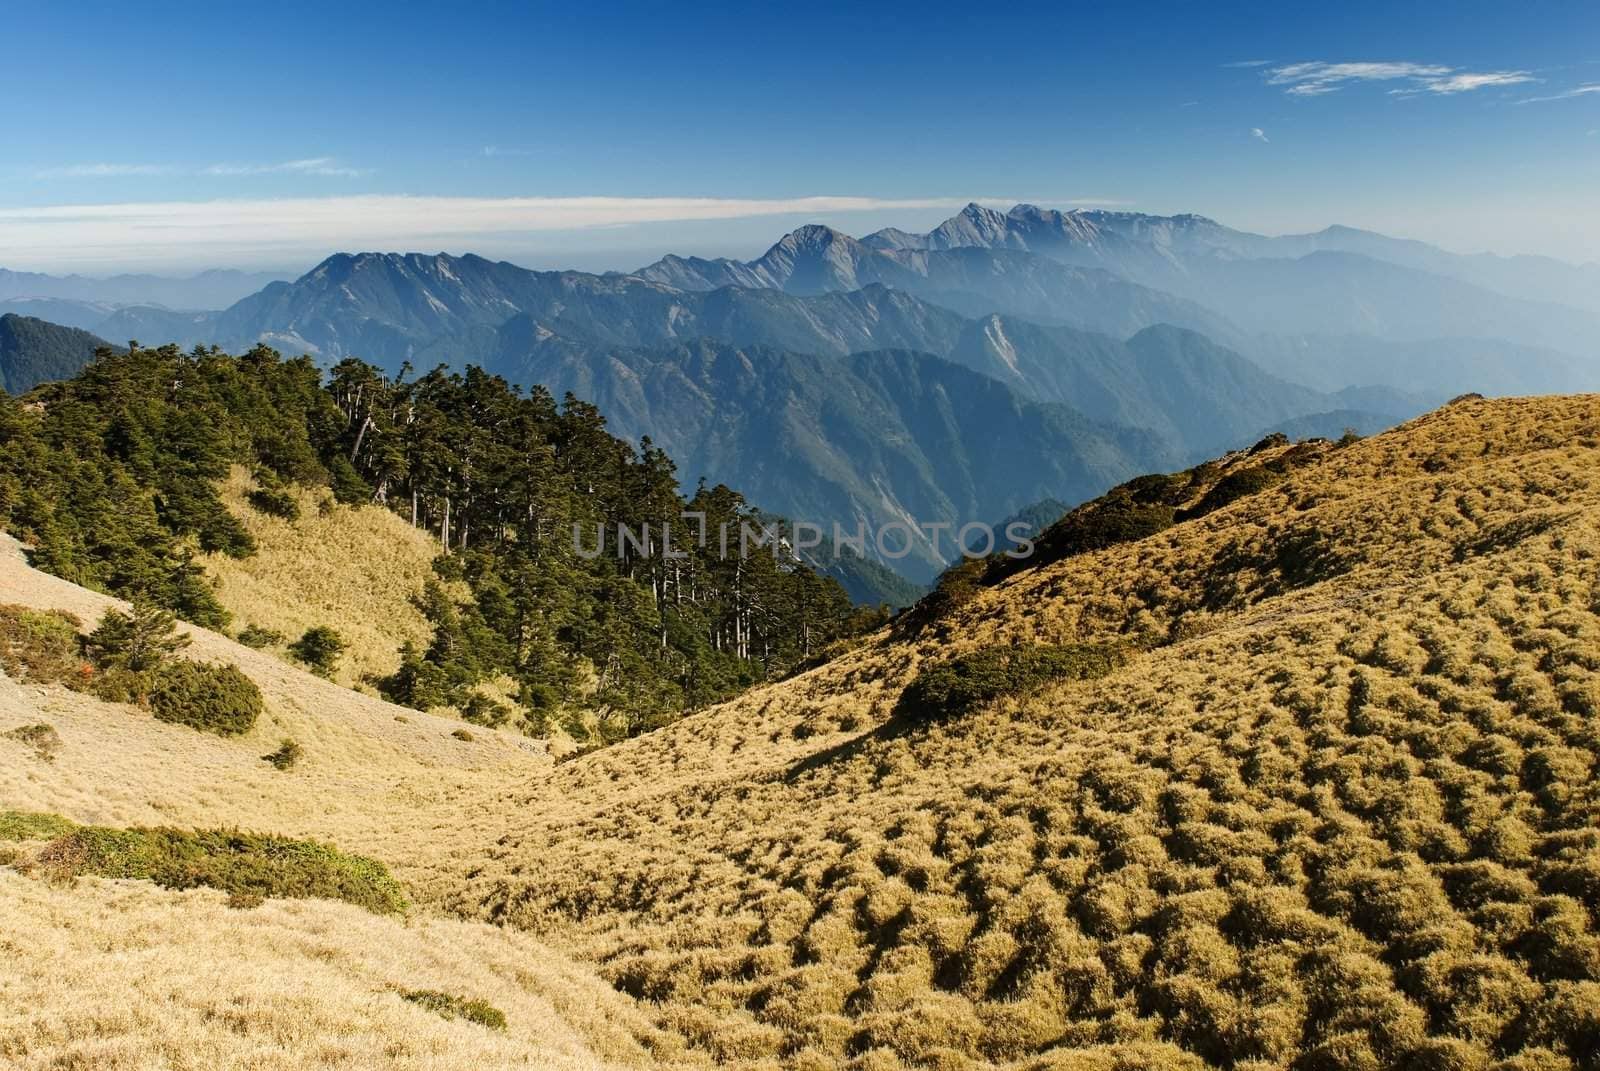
(1319, 78)
(501, 150)
(104, 170)
(1259, 134)
(1577, 91)
(251, 229)
(318, 165)
(1248, 63)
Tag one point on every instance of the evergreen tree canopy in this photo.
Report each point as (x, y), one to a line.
(589, 586)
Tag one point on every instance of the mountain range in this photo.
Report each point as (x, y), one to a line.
(214, 289)
(902, 375)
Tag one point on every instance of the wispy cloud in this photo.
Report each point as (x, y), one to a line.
(104, 170)
(317, 165)
(1248, 63)
(317, 225)
(1576, 91)
(501, 150)
(1319, 78)
(1259, 134)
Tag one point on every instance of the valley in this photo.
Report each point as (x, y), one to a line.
(1333, 806)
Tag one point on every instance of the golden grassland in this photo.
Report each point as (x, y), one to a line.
(354, 569)
(119, 975)
(1338, 810)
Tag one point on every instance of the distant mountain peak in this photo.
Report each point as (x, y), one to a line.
(812, 236)
(973, 225)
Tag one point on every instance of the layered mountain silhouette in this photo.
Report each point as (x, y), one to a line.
(1000, 359)
(880, 438)
(1337, 282)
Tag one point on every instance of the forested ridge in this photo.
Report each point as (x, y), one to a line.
(112, 479)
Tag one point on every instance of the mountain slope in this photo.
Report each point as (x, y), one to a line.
(392, 308)
(873, 438)
(1337, 809)
(1329, 815)
(33, 352)
(1177, 383)
(115, 971)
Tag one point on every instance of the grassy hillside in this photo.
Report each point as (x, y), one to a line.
(1334, 805)
(353, 569)
(1342, 815)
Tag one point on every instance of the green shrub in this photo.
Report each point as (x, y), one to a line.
(33, 825)
(258, 637)
(961, 685)
(214, 699)
(275, 502)
(1114, 523)
(482, 710)
(956, 586)
(286, 757)
(40, 646)
(243, 864)
(453, 1007)
(144, 639)
(120, 685)
(319, 648)
(1240, 483)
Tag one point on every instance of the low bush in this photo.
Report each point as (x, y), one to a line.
(286, 757)
(1114, 523)
(1240, 483)
(275, 502)
(319, 648)
(41, 646)
(956, 586)
(42, 738)
(453, 1007)
(483, 710)
(463, 735)
(258, 637)
(241, 864)
(961, 685)
(214, 699)
(33, 825)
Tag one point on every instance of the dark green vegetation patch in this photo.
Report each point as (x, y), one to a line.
(41, 646)
(963, 684)
(213, 699)
(287, 757)
(238, 863)
(451, 1006)
(33, 825)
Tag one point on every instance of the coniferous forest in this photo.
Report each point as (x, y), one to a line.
(112, 479)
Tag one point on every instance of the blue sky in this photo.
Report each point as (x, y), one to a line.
(171, 136)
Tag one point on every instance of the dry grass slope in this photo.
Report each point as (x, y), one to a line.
(1338, 810)
(1345, 816)
(121, 975)
(353, 569)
